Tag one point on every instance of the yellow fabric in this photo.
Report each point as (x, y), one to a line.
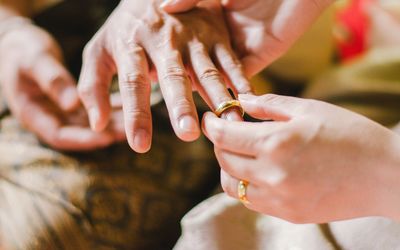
(311, 54)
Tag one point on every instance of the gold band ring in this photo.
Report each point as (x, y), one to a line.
(242, 191)
(227, 105)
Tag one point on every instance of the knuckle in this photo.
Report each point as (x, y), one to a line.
(198, 48)
(174, 73)
(136, 113)
(182, 106)
(271, 99)
(210, 74)
(133, 81)
(277, 143)
(232, 63)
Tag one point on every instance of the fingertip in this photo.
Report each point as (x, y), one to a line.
(207, 117)
(69, 99)
(140, 142)
(97, 122)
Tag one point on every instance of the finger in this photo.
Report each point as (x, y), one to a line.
(241, 166)
(232, 69)
(177, 92)
(239, 137)
(116, 100)
(116, 126)
(94, 83)
(276, 107)
(261, 199)
(252, 64)
(40, 118)
(210, 81)
(74, 138)
(174, 6)
(230, 186)
(56, 82)
(249, 168)
(134, 83)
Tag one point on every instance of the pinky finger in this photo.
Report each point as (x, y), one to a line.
(233, 69)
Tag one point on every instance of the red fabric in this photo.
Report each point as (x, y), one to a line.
(354, 24)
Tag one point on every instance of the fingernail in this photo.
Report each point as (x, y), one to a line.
(167, 2)
(233, 116)
(93, 117)
(69, 98)
(141, 141)
(188, 123)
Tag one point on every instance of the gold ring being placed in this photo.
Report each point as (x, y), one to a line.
(227, 105)
(242, 191)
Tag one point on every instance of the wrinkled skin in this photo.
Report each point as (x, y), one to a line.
(141, 43)
(313, 163)
(42, 94)
(262, 30)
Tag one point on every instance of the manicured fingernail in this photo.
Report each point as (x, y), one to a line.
(93, 117)
(69, 98)
(188, 123)
(167, 2)
(141, 141)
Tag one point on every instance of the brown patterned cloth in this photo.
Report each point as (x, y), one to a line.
(108, 199)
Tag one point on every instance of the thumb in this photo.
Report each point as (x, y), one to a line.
(274, 107)
(175, 6)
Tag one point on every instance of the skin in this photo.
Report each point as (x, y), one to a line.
(40, 91)
(262, 30)
(141, 43)
(304, 166)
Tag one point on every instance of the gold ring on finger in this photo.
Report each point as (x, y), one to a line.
(228, 105)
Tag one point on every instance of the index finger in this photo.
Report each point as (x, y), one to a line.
(244, 138)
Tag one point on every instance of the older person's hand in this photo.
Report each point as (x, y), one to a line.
(262, 30)
(313, 163)
(140, 42)
(42, 94)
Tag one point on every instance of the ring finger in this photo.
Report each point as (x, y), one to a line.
(211, 84)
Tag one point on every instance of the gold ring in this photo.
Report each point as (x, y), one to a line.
(227, 105)
(242, 191)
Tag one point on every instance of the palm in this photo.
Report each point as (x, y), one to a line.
(262, 30)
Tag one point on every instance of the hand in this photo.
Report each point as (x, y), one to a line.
(262, 30)
(140, 42)
(313, 163)
(42, 94)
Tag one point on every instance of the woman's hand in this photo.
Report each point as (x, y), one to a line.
(42, 94)
(313, 163)
(140, 42)
(262, 30)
